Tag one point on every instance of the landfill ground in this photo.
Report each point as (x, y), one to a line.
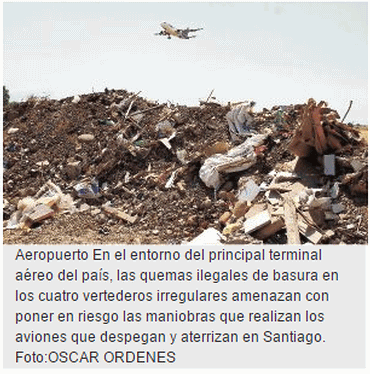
(127, 171)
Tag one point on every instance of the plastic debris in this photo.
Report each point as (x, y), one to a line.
(238, 158)
(171, 180)
(88, 189)
(240, 121)
(76, 99)
(248, 191)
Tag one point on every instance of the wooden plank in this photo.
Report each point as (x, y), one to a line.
(309, 232)
(320, 139)
(291, 222)
(270, 229)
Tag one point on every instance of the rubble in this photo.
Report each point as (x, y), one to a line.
(321, 131)
(127, 170)
(31, 210)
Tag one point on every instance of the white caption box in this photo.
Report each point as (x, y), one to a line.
(184, 306)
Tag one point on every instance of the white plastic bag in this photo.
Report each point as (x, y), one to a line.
(238, 158)
(240, 121)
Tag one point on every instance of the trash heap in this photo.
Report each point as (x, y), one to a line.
(112, 167)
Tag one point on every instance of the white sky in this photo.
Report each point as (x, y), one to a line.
(273, 53)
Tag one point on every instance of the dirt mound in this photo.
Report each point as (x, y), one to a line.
(130, 168)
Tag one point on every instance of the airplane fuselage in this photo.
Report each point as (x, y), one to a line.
(170, 30)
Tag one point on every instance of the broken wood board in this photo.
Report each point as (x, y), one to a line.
(309, 232)
(291, 222)
(117, 213)
(270, 229)
(314, 216)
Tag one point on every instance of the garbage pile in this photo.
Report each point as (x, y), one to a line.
(113, 167)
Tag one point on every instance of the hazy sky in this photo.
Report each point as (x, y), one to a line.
(273, 53)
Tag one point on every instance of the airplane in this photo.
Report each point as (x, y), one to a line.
(169, 30)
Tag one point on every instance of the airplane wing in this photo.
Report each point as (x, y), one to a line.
(163, 32)
(184, 33)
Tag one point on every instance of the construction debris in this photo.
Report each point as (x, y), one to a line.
(321, 131)
(291, 222)
(256, 222)
(117, 213)
(127, 170)
(31, 210)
